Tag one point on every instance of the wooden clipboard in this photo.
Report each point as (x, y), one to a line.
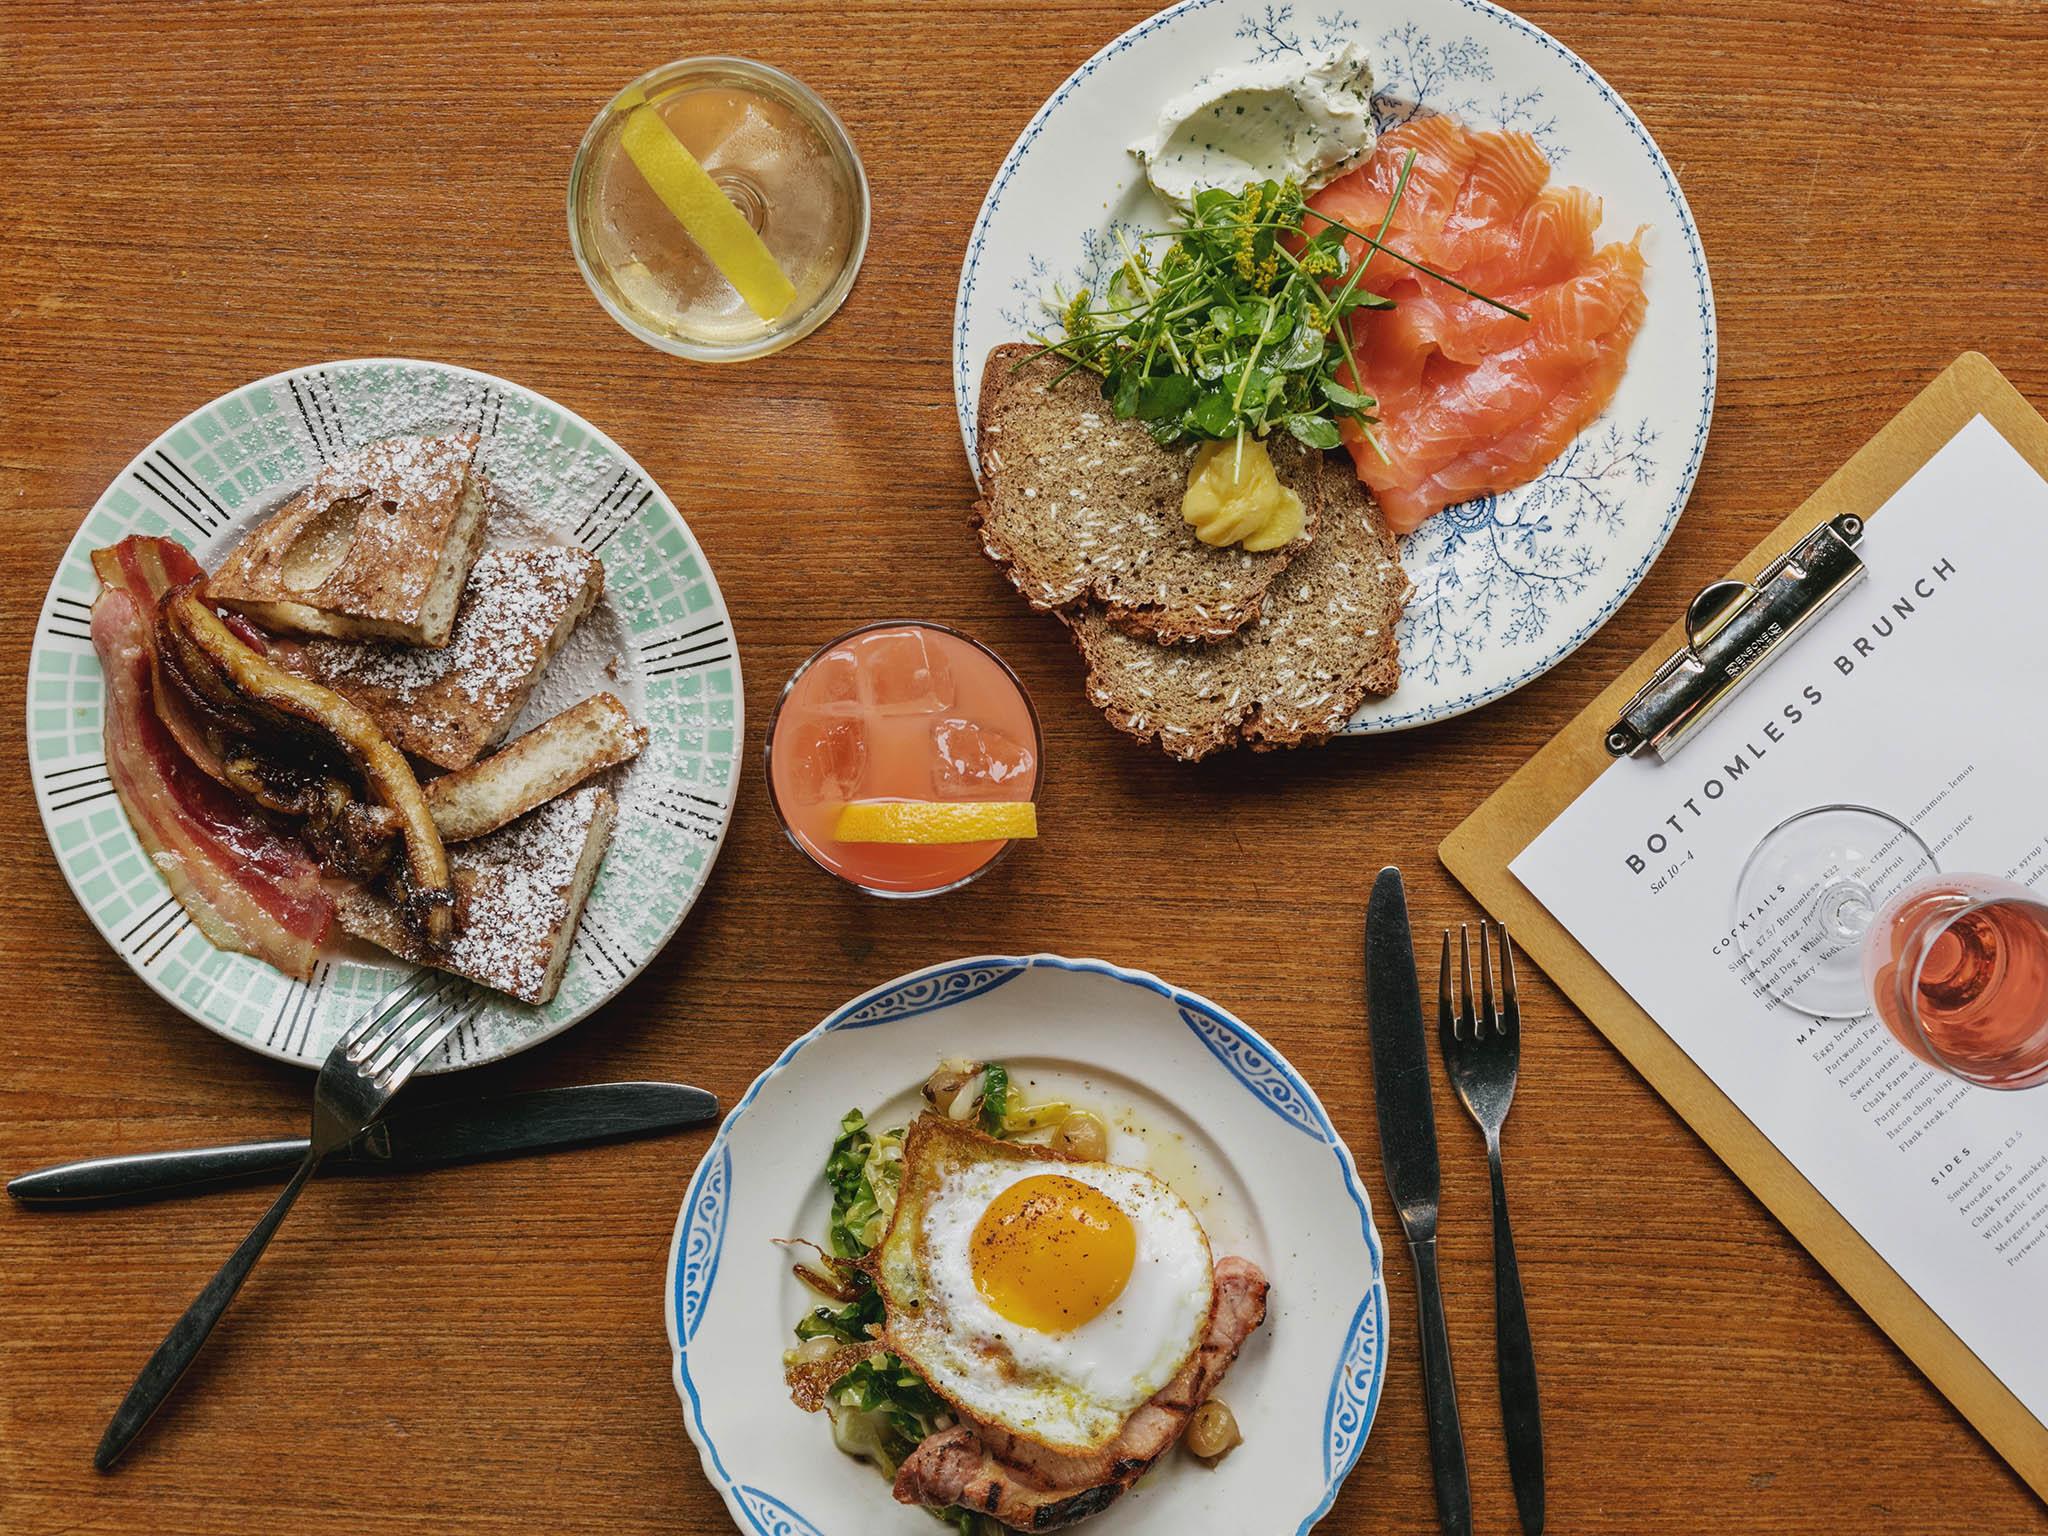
(1479, 852)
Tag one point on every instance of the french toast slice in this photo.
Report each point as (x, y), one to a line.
(548, 760)
(450, 706)
(1079, 508)
(519, 894)
(377, 547)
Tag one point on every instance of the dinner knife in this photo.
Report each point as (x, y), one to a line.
(1400, 1075)
(410, 1137)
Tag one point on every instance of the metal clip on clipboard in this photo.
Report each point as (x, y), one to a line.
(1734, 629)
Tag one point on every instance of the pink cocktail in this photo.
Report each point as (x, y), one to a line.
(899, 712)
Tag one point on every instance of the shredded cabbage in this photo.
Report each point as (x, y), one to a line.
(881, 1409)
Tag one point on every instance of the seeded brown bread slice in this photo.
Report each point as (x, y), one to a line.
(1077, 506)
(449, 707)
(377, 547)
(1294, 675)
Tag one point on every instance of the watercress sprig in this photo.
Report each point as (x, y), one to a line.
(1241, 325)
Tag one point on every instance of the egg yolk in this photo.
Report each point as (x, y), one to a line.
(1050, 1252)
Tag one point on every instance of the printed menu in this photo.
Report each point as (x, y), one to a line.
(1921, 695)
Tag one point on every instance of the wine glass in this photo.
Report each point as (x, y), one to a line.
(1843, 909)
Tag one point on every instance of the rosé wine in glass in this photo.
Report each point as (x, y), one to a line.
(1843, 909)
(1958, 968)
(899, 712)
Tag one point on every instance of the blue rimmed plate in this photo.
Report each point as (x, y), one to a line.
(1213, 1108)
(1506, 586)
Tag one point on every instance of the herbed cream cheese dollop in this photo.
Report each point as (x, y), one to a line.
(1310, 120)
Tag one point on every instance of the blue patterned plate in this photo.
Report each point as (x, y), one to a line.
(1223, 1118)
(1505, 586)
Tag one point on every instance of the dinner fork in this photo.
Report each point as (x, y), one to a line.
(368, 1065)
(1482, 1052)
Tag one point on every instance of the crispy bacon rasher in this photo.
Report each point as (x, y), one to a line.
(247, 887)
(146, 568)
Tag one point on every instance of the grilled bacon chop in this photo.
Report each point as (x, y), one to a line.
(991, 1471)
(301, 750)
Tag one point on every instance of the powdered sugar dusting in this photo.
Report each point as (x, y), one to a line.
(514, 601)
(552, 483)
(518, 884)
(405, 470)
(402, 498)
(549, 488)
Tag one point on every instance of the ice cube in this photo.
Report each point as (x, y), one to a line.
(978, 762)
(835, 682)
(827, 757)
(903, 675)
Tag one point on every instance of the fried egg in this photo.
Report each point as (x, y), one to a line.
(1047, 1295)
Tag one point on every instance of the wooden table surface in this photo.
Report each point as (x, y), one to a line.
(198, 195)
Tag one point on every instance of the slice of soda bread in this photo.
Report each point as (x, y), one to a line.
(376, 548)
(1077, 507)
(1292, 676)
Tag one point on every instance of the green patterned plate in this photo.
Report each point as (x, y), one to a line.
(660, 638)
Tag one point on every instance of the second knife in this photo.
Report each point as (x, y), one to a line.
(1407, 1121)
(412, 1136)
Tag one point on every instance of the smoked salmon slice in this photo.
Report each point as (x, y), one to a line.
(1473, 400)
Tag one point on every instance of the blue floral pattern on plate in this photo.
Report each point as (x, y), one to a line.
(1352, 1390)
(772, 1517)
(1506, 586)
(1279, 1090)
(927, 993)
(702, 1239)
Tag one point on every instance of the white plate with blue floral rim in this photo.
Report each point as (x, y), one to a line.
(1505, 586)
(660, 638)
(1198, 1094)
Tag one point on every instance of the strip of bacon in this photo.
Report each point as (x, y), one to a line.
(1025, 1487)
(146, 567)
(247, 887)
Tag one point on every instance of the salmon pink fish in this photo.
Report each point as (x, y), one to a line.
(1472, 399)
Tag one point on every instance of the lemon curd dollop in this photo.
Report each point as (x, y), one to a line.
(1234, 496)
(1051, 1252)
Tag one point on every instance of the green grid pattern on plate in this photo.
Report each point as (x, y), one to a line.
(246, 450)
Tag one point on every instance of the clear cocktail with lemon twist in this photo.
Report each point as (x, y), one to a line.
(717, 209)
(904, 758)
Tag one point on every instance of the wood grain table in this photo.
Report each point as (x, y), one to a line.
(196, 195)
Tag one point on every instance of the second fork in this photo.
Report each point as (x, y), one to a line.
(367, 1066)
(1482, 1051)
